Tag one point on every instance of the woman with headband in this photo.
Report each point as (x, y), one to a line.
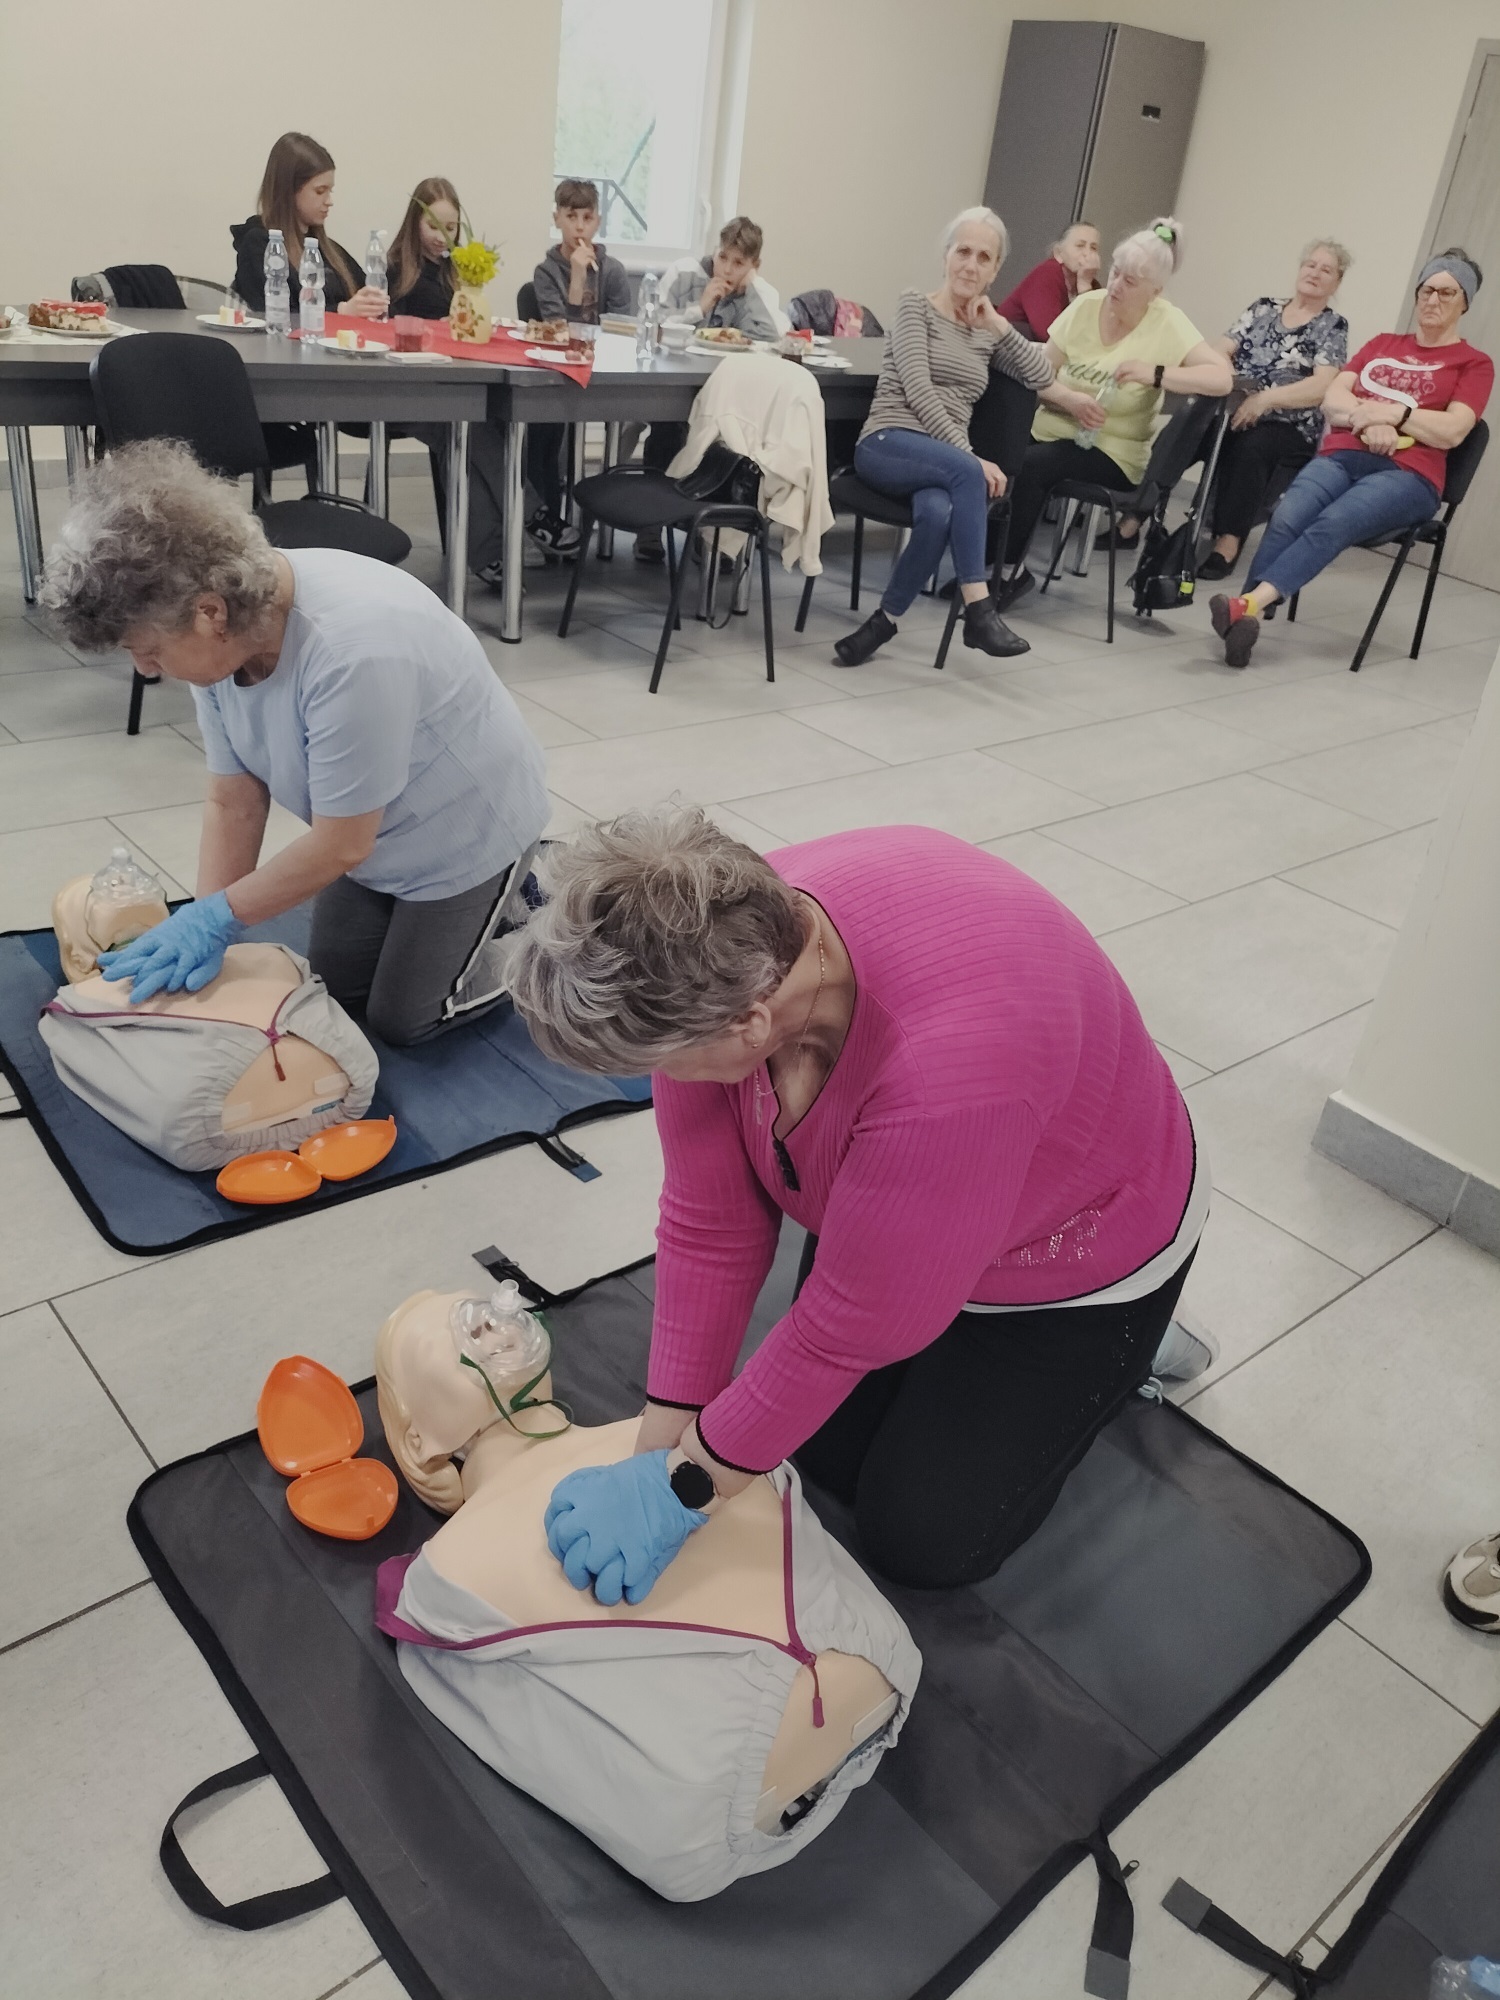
(1394, 414)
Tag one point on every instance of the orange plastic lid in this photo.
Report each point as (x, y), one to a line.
(351, 1501)
(307, 1417)
(261, 1179)
(346, 1150)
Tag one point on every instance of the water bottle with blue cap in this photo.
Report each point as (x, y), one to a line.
(1464, 1979)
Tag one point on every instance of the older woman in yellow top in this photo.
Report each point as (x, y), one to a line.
(1115, 354)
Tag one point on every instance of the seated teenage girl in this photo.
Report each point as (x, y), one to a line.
(296, 193)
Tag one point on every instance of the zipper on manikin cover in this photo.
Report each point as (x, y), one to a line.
(793, 1645)
(272, 1034)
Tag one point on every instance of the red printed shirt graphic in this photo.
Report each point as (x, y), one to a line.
(1396, 368)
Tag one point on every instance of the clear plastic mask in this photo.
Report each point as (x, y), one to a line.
(123, 880)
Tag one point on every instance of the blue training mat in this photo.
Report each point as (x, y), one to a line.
(473, 1091)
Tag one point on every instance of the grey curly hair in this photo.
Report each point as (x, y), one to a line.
(658, 932)
(148, 533)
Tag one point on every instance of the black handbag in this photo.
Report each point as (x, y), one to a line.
(1165, 578)
(726, 478)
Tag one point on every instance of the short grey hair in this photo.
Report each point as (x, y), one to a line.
(148, 533)
(658, 932)
(985, 216)
(1342, 257)
(1152, 253)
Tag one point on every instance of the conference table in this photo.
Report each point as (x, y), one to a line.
(47, 383)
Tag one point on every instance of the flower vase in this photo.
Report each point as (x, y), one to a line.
(469, 315)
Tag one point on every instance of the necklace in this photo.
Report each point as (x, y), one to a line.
(800, 1045)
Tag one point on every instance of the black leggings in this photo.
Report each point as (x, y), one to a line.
(953, 1459)
(1043, 467)
(1248, 460)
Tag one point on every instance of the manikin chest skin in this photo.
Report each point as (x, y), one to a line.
(728, 1574)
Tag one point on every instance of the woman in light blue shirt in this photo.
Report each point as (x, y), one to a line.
(347, 692)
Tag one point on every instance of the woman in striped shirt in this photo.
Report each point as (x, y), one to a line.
(915, 443)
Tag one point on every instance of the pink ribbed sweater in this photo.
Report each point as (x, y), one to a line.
(998, 1127)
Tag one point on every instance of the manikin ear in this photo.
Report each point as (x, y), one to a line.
(432, 1475)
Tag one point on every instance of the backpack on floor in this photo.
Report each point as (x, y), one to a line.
(1166, 575)
(262, 1057)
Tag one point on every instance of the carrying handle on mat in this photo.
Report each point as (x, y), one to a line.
(1107, 1976)
(255, 1913)
(1191, 1907)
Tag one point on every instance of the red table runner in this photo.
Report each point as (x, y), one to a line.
(504, 348)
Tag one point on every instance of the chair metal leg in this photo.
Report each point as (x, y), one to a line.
(75, 451)
(1431, 585)
(1291, 609)
(673, 619)
(955, 611)
(1086, 541)
(611, 457)
(513, 533)
(23, 502)
(139, 683)
(764, 538)
(1059, 541)
(1384, 599)
(859, 561)
(585, 529)
(804, 605)
(456, 534)
(1109, 615)
(378, 471)
(669, 536)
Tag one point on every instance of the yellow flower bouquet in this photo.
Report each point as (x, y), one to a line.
(475, 263)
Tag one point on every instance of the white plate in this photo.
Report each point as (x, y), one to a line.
(423, 356)
(376, 350)
(107, 329)
(742, 346)
(556, 355)
(826, 361)
(246, 325)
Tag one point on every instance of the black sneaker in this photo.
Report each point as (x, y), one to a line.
(987, 631)
(864, 643)
(1012, 590)
(552, 534)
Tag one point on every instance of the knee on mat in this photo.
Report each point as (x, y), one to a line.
(398, 1030)
(903, 1548)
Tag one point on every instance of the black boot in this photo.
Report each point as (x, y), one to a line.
(863, 644)
(987, 631)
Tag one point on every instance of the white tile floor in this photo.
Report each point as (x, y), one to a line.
(1245, 845)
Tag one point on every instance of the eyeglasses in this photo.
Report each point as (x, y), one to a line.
(1444, 292)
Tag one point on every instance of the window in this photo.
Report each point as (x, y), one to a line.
(638, 90)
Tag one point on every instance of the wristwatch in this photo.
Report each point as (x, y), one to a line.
(692, 1485)
(1160, 371)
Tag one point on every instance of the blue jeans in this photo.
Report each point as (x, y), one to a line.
(949, 505)
(1342, 498)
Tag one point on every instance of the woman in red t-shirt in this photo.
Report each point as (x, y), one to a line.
(1071, 266)
(1394, 414)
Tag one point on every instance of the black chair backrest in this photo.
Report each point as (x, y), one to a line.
(180, 385)
(528, 305)
(139, 287)
(1463, 463)
(1180, 440)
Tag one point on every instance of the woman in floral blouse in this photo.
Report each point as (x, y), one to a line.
(1286, 352)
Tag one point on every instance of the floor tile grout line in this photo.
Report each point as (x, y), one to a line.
(151, 1458)
(344, 1984)
(29, 1638)
(1475, 1723)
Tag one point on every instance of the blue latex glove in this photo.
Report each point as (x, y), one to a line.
(616, 1527)
(187, 950)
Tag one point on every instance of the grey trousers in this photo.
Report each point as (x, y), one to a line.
(414, 970)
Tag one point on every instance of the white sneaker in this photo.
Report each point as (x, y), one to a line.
(1187, 1351)
(1471, 1585)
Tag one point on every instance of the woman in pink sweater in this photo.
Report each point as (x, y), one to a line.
(922, 1057)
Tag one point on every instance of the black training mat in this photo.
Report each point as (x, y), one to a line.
(1438, 1896)
(471, 1092)
(1172, 1582)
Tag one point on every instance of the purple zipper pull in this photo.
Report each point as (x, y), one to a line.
(810, 1660)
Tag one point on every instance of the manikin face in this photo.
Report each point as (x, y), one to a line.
(1318, 275)
(578, 225)
(1078, 252)
(734, 268)
(445, 1402)
(1440, 306)
(972, 261)
(205, 653)
(314, 200)
(437, 229)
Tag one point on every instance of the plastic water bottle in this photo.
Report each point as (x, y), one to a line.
(645, 321)
(310, 277)
(1464, 1979)
(278, 271)
(500, 1334)
(375, 276)
(1104, 396)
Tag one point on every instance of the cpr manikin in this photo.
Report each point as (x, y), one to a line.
(705, 1733)
(260, 1057)
(102, 912)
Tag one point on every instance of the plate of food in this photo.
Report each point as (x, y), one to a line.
(723, 336)
(74, 319)
(346, 341)
(10, 318)
(226, 318)
(570, 356)
(547, 332)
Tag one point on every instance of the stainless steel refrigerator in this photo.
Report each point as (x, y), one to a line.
(1093, 124)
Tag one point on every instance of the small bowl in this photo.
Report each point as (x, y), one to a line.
(344, 1151)
(261, 1180)
(675, 335)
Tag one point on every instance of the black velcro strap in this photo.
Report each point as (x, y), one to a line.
(1107, 1976)
(501, 1267)
(255, 1913)
(1191, 1907)
(561, 1154)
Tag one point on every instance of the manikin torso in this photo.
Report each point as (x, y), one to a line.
(729, 1573)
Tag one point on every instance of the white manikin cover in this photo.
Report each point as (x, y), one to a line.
(653, 1740)
(163, 1078)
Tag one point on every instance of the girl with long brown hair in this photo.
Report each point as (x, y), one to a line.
(421, 278)
(296, 193)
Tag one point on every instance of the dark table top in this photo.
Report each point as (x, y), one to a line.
(48, 382)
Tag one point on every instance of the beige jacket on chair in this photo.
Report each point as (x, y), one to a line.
(771, 410)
